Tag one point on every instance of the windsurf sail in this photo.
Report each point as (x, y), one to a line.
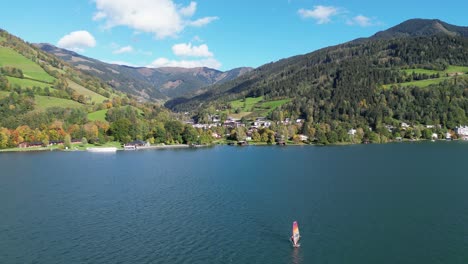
(295, 233)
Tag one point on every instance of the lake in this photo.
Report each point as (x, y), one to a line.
(392, 203)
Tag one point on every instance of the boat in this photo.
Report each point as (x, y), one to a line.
(295, 235)
(110, 149)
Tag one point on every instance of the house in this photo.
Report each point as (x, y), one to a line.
(281, 142)
(462, 132)
(404, 125)
(303, 137)
(136, 144)
(352, 132)
(30, 144)
(435, 136)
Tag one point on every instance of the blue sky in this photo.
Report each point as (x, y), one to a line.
(214, 33)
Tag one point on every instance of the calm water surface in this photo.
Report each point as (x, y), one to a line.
(395, 203)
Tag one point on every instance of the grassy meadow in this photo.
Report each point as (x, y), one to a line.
(9, 57)
(254, 107)
(27, 83)
(95, 97)
(98, 115)
(44, 102)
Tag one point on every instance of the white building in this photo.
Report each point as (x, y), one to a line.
(352, 132)
(462, 130)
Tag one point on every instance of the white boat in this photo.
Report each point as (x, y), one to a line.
(109, 149)
(295, 235)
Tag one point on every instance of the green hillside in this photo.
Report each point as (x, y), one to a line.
(98, 115)
(44, 102)
(94, 97)
(252, 107)
(430, 77)
(31, 70)
(27, 83)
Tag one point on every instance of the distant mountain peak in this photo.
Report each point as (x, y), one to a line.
(421, 27)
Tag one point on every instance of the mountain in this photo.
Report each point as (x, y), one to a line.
(147, 83)
(37, 88)
(350, 82)
(421, 28)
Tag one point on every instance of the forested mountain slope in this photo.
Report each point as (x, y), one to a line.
(412, 72)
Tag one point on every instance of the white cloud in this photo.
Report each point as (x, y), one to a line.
(320, 13)
(184, 49)
(77, 41)
(126, 49)
(189, 10)
(202, 21)
(163, 62)
(360, 20)
(99, 16)
(164, 18)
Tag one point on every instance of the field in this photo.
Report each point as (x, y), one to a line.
(97, 98)
(450, 69)
(247, 105)
(427, 82)
(254, 107)
(4, 94)
(27, 83)
(44, 102)
(9, 57)
(98, 115)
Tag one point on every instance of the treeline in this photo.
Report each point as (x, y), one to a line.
(20, 123)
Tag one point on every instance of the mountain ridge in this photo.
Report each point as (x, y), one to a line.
(144, 82)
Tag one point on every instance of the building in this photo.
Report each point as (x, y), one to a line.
(352, 132)
(136, 144)
(462, 132)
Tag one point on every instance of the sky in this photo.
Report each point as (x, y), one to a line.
(220, 34)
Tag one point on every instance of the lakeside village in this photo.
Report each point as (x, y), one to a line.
(263, 131)
(286, 132)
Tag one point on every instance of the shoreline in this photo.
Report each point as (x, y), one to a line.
(185, 146)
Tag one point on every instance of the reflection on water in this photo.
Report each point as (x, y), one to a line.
(296, 257)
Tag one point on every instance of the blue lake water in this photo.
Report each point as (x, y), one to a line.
(394, 203)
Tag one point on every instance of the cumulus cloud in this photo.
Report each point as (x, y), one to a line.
(163, 62)
(126, 49)
(164, 18)
(186, 49)
(320, 13)
(360, 20)
(77, 41)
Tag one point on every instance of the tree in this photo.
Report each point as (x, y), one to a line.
(67, 141)
(120, 129)
(190, 135)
